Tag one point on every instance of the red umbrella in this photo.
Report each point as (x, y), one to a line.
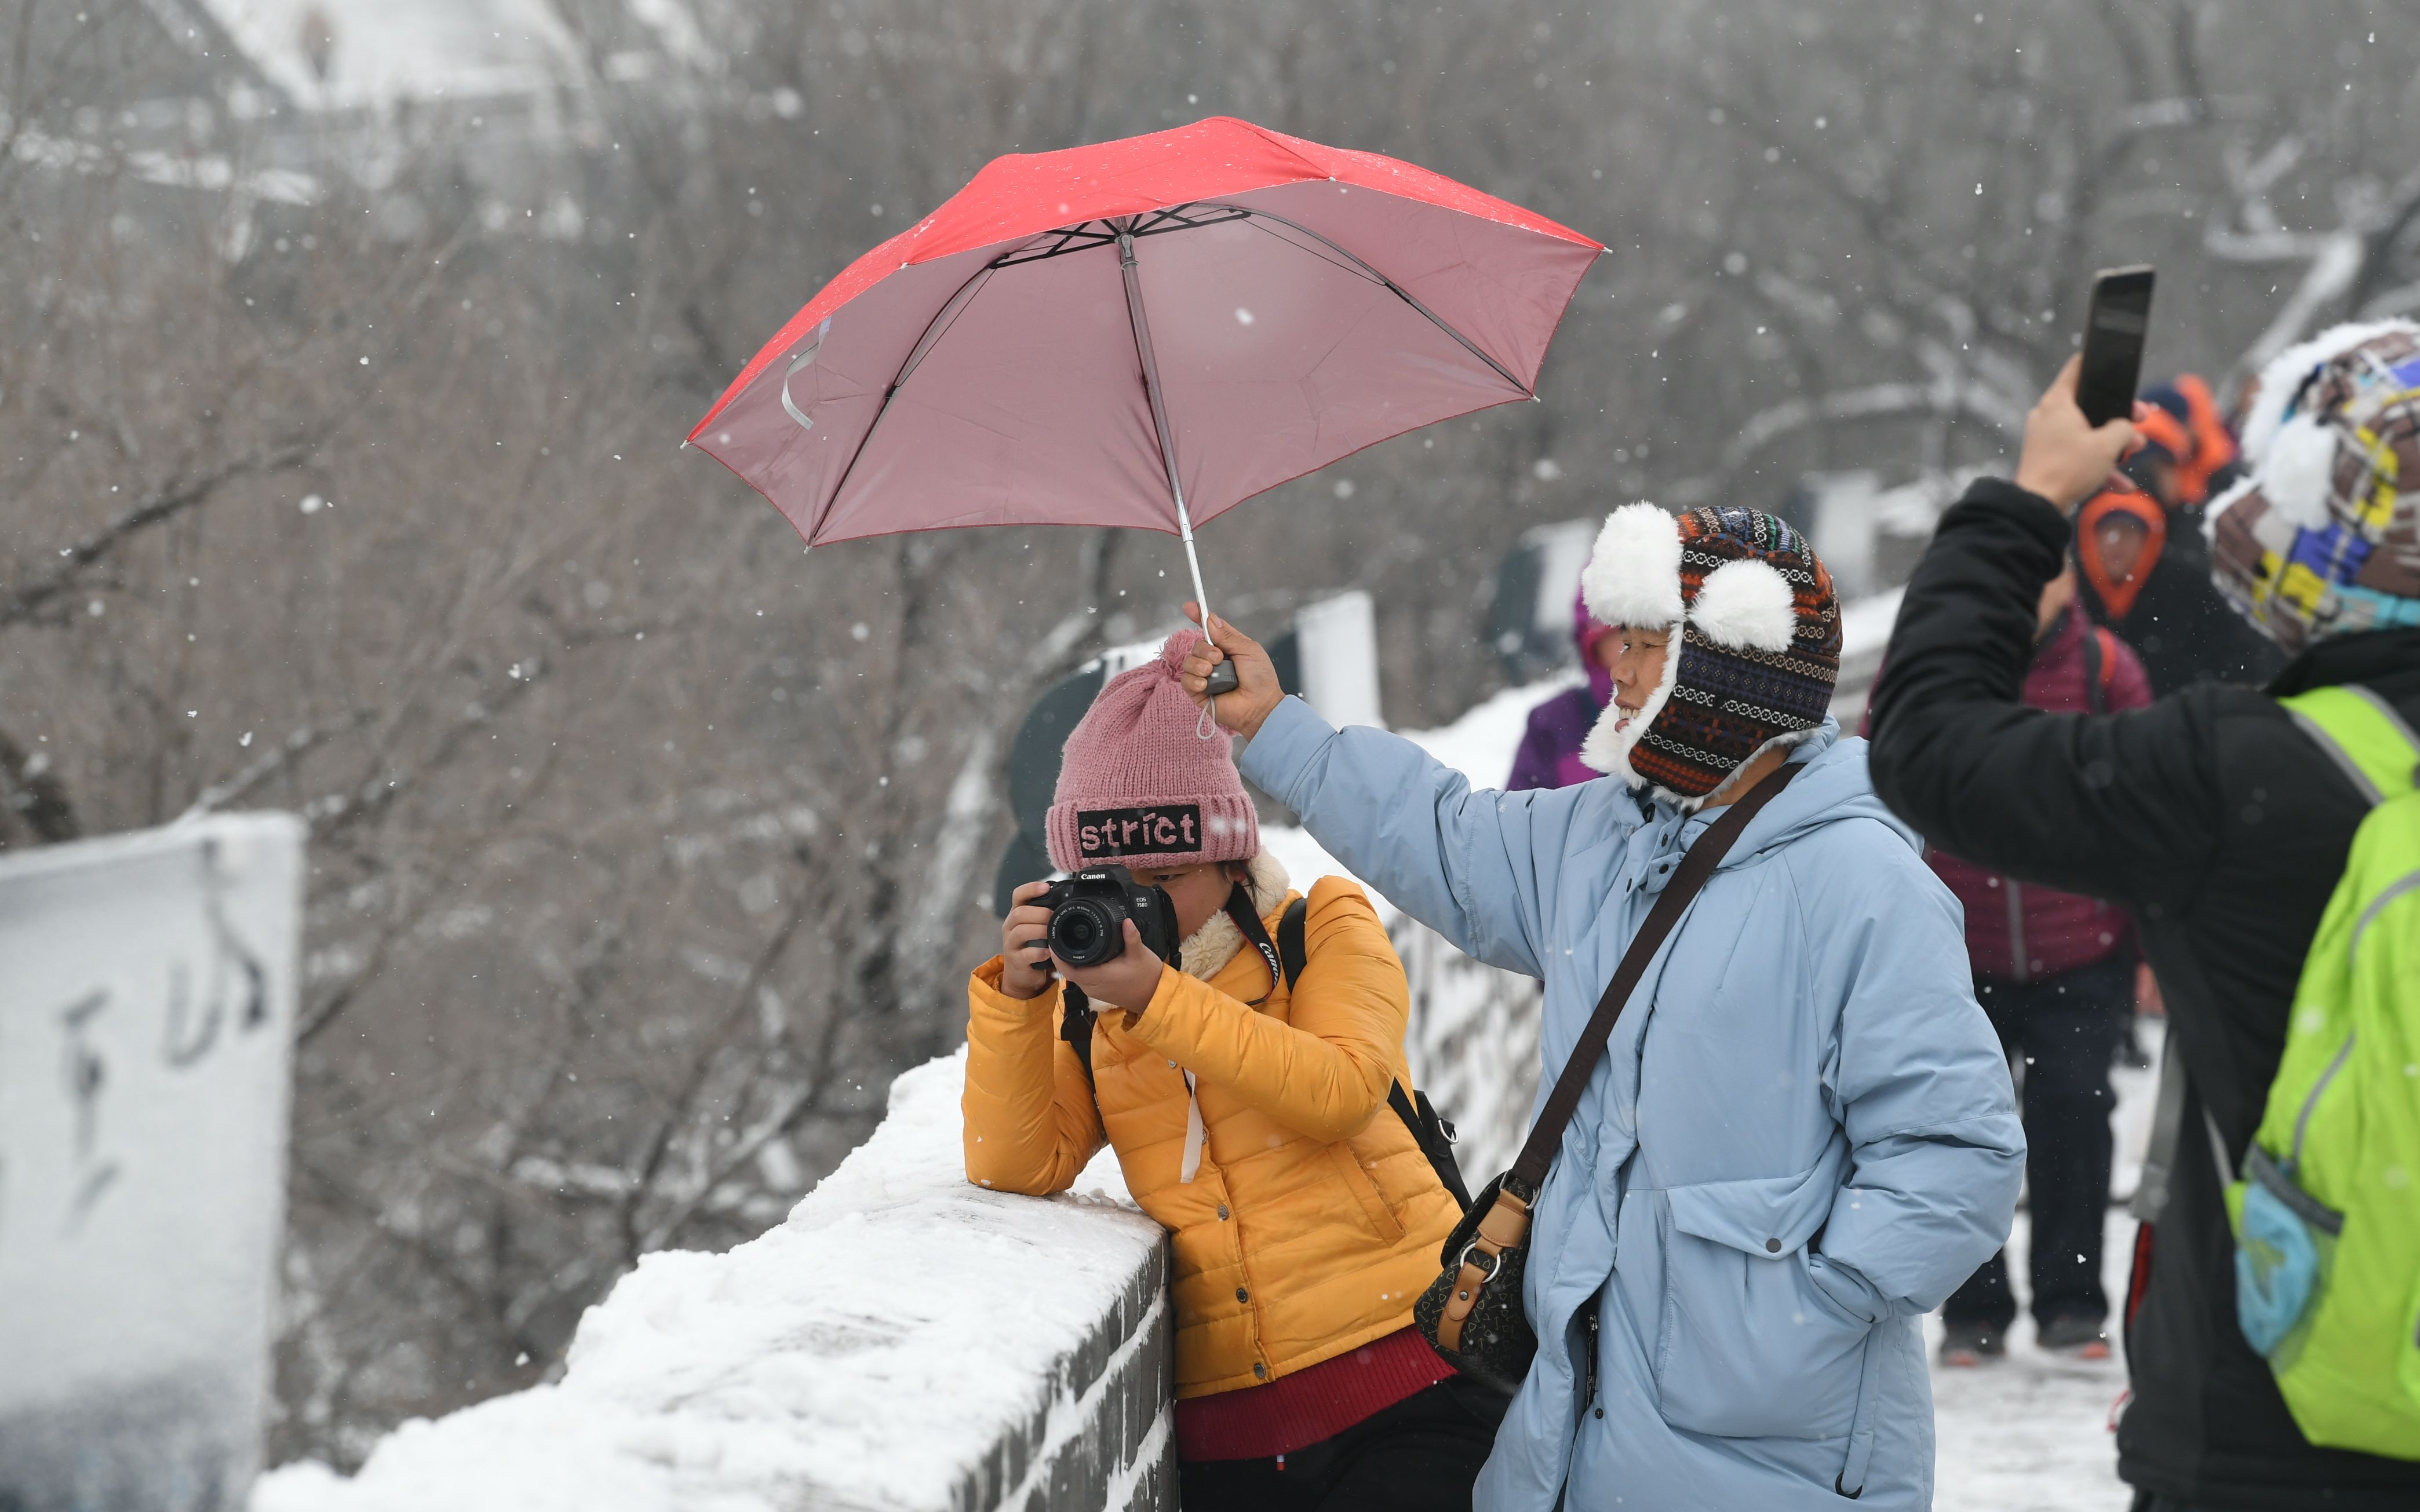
(1142, 332)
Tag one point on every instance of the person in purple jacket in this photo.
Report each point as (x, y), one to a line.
(1549, 756)
(2056, 973)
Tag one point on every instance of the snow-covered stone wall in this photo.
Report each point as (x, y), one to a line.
(904, 1340)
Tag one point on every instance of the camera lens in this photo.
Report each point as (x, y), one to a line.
(1084, 932)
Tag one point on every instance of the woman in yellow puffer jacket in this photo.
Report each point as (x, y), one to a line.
(1251, 1119)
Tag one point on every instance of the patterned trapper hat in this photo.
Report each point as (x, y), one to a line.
(1756, 653)
(2323, 537)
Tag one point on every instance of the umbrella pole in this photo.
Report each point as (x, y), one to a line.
(1193, 563)
(1222, 677)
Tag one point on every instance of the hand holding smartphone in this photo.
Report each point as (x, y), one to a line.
(2067, 454)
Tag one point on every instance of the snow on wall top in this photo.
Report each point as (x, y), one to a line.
(866, 1352)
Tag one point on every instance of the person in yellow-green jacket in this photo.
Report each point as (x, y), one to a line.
(1250, 1117)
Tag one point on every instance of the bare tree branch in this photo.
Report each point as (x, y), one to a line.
(171, 502)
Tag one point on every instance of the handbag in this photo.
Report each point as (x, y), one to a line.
(1472, 1314)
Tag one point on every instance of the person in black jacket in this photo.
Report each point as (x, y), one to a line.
(2209, 815)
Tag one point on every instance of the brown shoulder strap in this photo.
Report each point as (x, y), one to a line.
(1530, 1171)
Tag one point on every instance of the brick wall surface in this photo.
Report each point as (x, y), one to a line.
(1104, 1440)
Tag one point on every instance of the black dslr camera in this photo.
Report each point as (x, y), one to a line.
(1089, 911)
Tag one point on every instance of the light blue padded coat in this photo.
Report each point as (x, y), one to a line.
(1800, 1139)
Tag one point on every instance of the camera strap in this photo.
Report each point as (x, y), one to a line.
(1076, 1023)
(1239, 909)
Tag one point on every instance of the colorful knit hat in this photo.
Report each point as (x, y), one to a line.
(1137, 785)
(2323, 537)
(1757, 654)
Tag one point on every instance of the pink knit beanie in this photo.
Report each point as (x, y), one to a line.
(1137, 785)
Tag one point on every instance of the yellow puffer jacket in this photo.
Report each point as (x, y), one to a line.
(1314, 1220)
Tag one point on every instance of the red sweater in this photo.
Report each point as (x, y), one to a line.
(1295, 1411)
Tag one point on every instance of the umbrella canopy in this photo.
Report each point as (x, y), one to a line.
(1142, 332)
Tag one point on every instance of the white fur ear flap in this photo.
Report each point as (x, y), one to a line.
(1633, 576)
(1745, 605)
(1608, 750)
(1611, 738)
(2281, 376)
(2300, 470)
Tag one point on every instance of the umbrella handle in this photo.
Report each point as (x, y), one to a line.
(1224, 677)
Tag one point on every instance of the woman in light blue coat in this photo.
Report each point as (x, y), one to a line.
(1803, 1135)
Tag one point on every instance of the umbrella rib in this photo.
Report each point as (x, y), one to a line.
(1400, 292)
(1131, 277)
(1361, 272)
(931, 336)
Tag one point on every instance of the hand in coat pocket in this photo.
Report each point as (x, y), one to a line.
(1752, 1346)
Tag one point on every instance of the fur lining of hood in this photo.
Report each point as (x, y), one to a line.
(1209, 948)
(2282, 377)
(1607, 748)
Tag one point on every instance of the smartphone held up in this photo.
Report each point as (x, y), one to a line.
(2116, 324)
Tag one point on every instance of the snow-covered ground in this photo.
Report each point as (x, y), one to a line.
(2032, 1432)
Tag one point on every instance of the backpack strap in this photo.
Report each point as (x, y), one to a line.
(1291, 953)
(2364, 735)
(2099, 660)
(2375, 747)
